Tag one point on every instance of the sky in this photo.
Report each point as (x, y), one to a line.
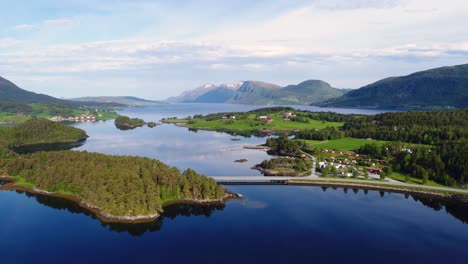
(157, 49)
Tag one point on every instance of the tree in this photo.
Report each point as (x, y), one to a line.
(366, 174)
(355, 174)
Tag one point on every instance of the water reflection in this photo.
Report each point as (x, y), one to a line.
(48, 147)
(170, 212)
(456, 206)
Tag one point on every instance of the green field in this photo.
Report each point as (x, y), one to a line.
(252, 123)
(343, 143)
(400, 177)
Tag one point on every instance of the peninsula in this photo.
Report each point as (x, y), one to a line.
(115, 188)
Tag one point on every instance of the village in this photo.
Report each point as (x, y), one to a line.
(82, 118)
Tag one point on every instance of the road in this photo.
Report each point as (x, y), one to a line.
(315, 178)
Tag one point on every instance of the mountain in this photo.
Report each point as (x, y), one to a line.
(436, 88)
(310, 91)
(9, 92)
(256, 92)
(207, 93)
(122, 100)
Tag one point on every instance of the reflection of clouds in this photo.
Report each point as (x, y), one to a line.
(254, 204)
(208, 152)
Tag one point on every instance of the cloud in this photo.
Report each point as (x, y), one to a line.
(64, 22)
(26, 27)
(10, 43)
(47, 24)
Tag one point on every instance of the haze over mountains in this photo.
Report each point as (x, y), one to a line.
(256, 92)
(123, 100)
(445, 87)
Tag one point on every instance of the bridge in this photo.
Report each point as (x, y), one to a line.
(315, 179)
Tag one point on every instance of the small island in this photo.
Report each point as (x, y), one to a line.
(126, 123)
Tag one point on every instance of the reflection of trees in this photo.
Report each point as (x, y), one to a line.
(170, 211)
(457, 206)
(48, 147)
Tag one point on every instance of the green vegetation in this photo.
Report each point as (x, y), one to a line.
(125, 122)
(39, 131)
(344, 144)
(445, 87)
(118, 185)
(251, 121)
(286, 166)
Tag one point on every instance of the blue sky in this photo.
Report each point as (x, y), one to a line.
(157, 49)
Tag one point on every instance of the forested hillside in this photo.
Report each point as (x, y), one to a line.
(118, 185)
(445, 87)
(38, 131)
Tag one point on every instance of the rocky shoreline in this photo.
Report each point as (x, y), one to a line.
(101, 214)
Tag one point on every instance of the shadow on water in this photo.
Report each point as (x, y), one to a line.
(48, 147)
(170, 212)
(453, 206)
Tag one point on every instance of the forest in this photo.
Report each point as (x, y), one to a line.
(39, 131)
(118, 185)
(125, 122)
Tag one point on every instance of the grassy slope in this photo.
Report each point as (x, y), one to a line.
(343, 143)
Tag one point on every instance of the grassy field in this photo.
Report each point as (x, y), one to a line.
(400, 177)
(343, 143)
(252, 123)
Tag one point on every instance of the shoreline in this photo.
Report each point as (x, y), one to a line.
(102, 215)
(375, 187)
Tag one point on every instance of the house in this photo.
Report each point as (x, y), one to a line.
(263, 118)
(233, 117)
(289, 115)
(374, 170)
(286, 120)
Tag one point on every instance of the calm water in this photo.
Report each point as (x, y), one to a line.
(273, 224)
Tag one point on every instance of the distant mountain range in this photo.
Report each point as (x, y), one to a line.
(256, 92)
(123, 100)
(444, 87)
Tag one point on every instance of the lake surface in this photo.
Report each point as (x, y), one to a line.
(273, 224)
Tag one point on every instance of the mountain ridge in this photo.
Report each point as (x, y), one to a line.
(443, 87)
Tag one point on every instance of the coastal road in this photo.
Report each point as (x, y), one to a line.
(315, 178)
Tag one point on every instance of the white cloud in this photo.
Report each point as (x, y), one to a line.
(26, 27)
(10, 43)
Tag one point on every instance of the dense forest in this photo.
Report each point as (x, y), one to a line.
(429, 127)
(38, 131)
(125, 122)
(119, 185)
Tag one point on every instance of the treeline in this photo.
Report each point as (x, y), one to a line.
(444, 163)
(125, 122)
(328, 133)
(39, 131)
(429, 127)
(37, 109)
(283, 146)
(298, 165)
(119, 185)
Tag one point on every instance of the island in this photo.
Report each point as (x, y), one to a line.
(115, 188)
(126, 123)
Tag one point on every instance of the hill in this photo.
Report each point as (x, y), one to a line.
(39, 131)
(122, 100)
(9, 92)
(308, 92)
(445, 87)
